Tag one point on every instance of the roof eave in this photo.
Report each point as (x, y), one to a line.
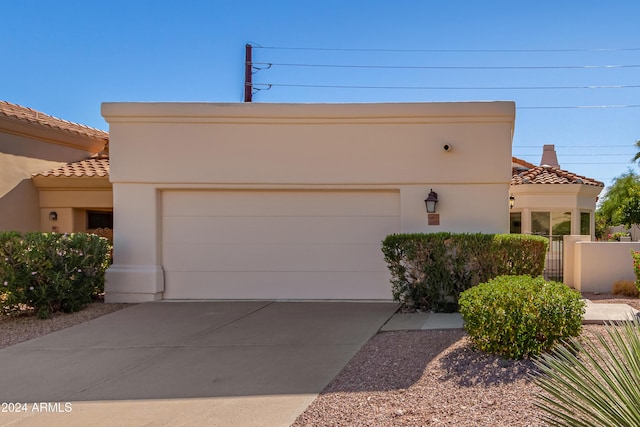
(71, 182)
(89, 143)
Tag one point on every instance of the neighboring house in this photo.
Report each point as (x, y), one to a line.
(53, 173)
(291, 201)
(553, 202)
(548, 200)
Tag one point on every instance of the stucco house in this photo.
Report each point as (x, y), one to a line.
(53, 173)
(291, 201)
(548, 200)
(285, 201)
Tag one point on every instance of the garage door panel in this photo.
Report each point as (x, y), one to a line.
(288, 285)
(277, 244)
(281, 203)
(278, 230)
(292, 257)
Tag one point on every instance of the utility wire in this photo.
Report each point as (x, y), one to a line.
(452, 67)
(588, 155)
(449, 87)
(574, 146)
(445, 50)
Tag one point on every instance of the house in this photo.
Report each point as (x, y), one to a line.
(291, 201)
(286, 201)
(53, 173)
(550, 201)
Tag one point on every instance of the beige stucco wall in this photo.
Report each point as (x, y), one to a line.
(26, 149)
(160, 146)
(598, 265)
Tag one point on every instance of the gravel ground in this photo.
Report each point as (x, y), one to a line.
(25, 326)
(432, 378)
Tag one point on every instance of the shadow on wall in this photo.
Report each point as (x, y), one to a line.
(20, 208)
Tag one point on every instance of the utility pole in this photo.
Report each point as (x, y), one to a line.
(248, 72)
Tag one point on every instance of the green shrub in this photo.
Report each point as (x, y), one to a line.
(518, 316)
(430, 270)
(51, 272)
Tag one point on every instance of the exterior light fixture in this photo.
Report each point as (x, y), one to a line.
(512, 201)
(431, 201)
(53, 216)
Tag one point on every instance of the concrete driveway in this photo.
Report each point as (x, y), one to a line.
(186, 363)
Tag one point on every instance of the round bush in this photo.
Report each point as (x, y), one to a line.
(518, 316)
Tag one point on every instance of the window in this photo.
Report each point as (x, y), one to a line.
(540, 223)
(556, 223)
(560, 223)
(99, 219)
(515, 223)
(585, 223)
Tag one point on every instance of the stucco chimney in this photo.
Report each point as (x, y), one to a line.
(549, 157)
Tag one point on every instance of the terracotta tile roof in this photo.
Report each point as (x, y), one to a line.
(522, 163)
(29, 115)
(551, 175)
(97, 166)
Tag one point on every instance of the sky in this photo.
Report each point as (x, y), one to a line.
(66, 57)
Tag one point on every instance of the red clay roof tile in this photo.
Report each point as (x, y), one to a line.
(25, 114)
(551, 175)
(98, 167)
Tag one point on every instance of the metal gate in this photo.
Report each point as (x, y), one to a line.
(554, 263)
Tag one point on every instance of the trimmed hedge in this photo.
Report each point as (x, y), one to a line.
(519, 316)
(431, 270)
(51, 272)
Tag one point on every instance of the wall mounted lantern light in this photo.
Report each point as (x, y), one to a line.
(53, 216)
(512, 201)
(431, 201)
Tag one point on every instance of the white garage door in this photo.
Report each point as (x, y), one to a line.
(277, 244)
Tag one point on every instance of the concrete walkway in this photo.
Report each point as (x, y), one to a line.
(594, 314)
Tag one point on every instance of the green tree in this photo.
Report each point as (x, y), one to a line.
(637, 156)
(629, 211)
(621, 203)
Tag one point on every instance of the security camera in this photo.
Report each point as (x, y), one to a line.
(447, 147)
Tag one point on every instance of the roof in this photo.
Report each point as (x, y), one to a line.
(97, 166)
(522, 163)
(28, 115)
(550, 175)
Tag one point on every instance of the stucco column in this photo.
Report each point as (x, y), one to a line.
(575, 221)
(526, 221)
(136, 274)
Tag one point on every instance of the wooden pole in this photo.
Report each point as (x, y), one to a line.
(248, 73)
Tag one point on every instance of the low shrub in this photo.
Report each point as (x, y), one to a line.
(51, 272)
(519, 316)
(430, 270)
(626, 288)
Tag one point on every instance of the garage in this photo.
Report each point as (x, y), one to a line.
(282, 201)
(277, 244)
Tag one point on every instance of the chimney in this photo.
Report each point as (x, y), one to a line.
(549, 157)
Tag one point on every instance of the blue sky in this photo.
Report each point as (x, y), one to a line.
(66, 57)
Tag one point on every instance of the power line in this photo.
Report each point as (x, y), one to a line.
(587, 155)
(445, 50)
(269, 85)
(578, 107)
(447, 67)
(573, 146)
